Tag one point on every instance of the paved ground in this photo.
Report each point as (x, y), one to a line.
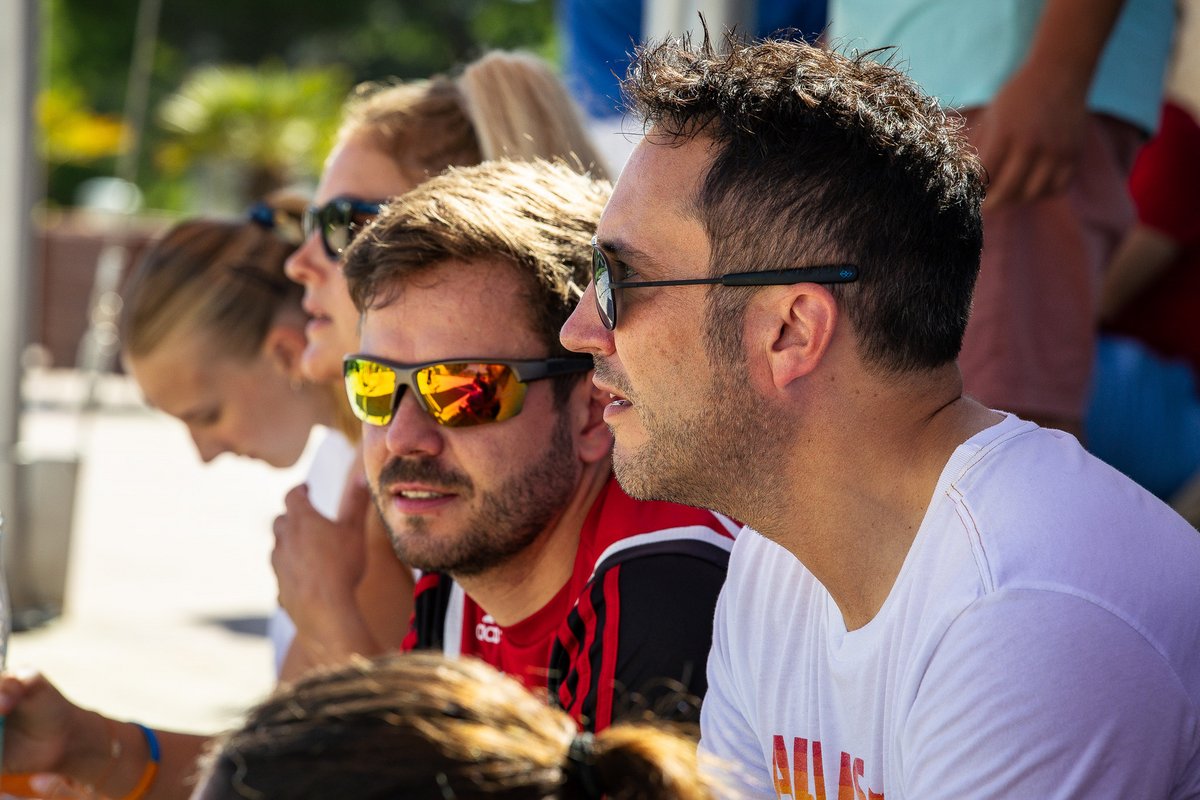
(169, 581)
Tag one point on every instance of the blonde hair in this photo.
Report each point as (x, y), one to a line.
(223, 281)
(214, 278)
(420, 725)
(503, 105)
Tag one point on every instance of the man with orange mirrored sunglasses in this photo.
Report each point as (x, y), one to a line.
(489, 459)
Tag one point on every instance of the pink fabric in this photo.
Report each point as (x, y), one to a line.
(1031, 337)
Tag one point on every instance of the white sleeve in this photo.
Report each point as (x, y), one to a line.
(729, 750)
(1037, 693)
(280, 631)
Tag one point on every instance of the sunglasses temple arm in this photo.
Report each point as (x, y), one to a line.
(679, 282)
(775, 277)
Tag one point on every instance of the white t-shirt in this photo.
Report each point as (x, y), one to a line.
(1042, 640)
(326, 481)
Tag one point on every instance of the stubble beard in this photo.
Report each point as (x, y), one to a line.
(508, 520)
(718, 457)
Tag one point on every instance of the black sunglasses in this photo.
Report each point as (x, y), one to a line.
(287, 225)
(338, 221)
(606, 285)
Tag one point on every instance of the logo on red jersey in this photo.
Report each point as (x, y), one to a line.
(487, 630)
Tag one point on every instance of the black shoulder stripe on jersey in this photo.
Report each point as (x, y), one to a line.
(662, 665)
(695, 548)
(561, 671)
(561, 664)
(429, 614)
(666, 610)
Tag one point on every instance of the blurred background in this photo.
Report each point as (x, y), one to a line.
(139, 578)
(239, 98)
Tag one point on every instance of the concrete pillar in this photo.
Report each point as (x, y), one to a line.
(18, 79)
(661, 17)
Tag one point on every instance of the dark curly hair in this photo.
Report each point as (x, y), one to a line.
(823, 158)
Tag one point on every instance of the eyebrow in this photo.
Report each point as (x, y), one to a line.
(625, 253)
(196, 414)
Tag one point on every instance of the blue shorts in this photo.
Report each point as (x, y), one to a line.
(1144, 415)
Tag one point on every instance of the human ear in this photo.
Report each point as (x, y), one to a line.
(283, 347)
(593, 438)
(795, 329)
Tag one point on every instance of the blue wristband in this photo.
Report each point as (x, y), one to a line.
(151, 742)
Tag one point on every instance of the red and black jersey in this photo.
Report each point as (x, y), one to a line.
(631, 628)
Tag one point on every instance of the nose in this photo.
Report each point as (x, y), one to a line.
(207, 447)
(309, 263)
(583, 331)
(412, 431)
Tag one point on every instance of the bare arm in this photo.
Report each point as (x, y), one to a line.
(47, 733)
(1031, 134)
(1143, 256)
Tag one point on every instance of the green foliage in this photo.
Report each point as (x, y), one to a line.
(518, 24)
(275, 123)
(286, 67)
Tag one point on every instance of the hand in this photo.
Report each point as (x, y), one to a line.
(1030, 138)
(45, 785)
(319, 562)
(46, 732)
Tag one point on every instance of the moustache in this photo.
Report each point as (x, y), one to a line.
(424, 471)
(606, 375)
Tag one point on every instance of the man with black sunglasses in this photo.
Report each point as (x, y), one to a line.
(489, 460)
(932, 599)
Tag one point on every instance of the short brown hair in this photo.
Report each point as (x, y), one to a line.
(538, 216)
(822, 158)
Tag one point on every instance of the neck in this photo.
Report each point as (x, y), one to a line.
(853, 500)
(514, 590)
(324, 403)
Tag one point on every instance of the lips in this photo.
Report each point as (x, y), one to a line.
(615, 397)
(618, 403)
(415, 500)
(315, 313)
(420, 494)
(418, 485)
(607, 379)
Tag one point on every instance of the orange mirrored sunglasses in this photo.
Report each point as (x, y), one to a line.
(456, 393)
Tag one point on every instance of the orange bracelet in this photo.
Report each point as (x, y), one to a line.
(151, 771)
